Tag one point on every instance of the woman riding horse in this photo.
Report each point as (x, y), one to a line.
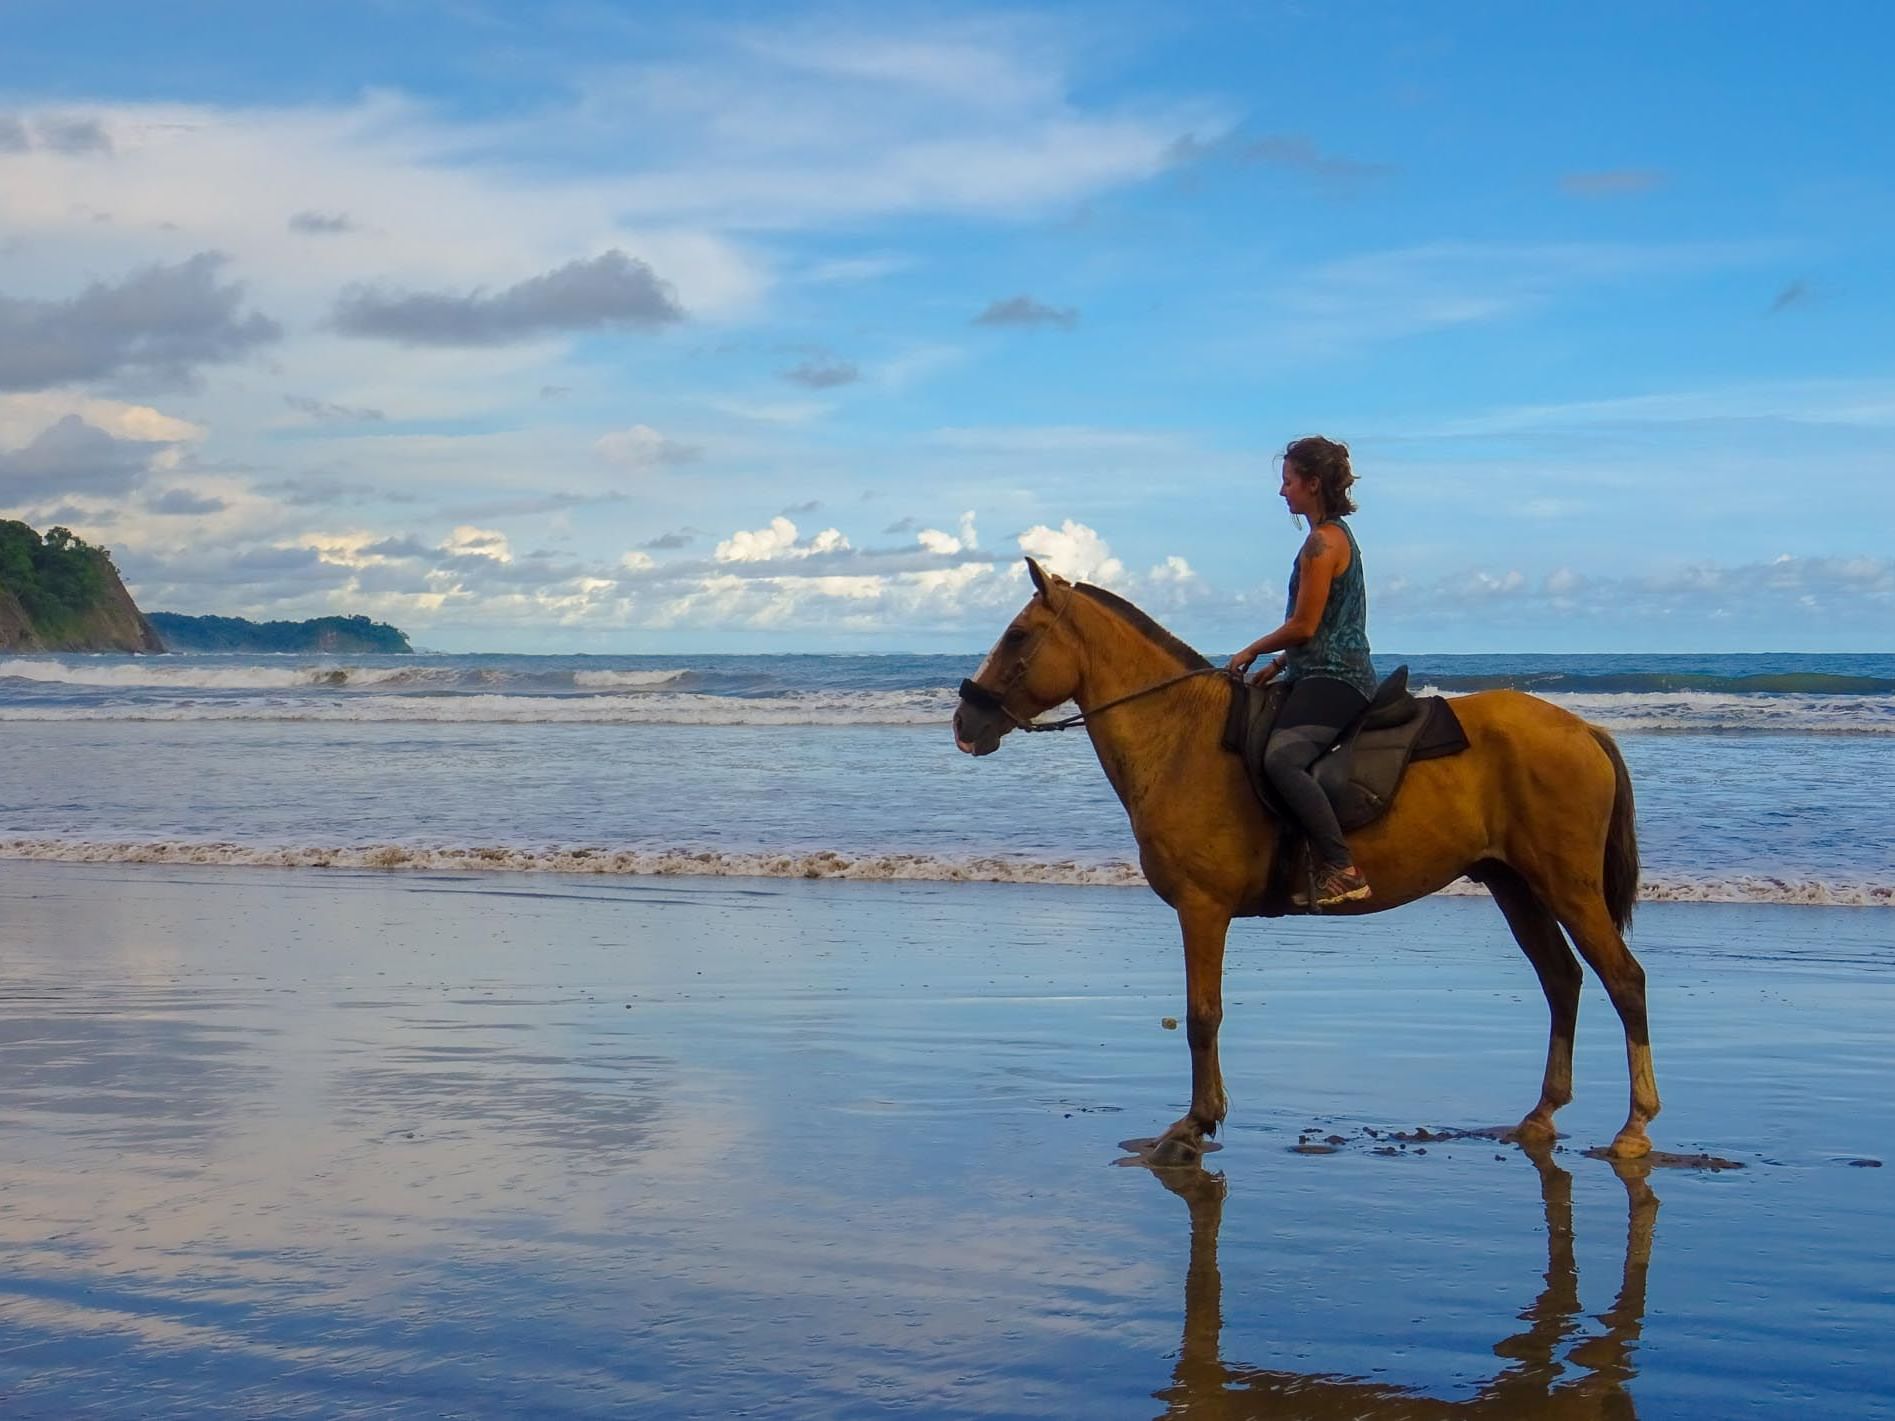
(1324, 643)
(1538, 808)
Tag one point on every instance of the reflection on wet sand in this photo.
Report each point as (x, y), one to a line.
(286, 1145)
(1549, 1371)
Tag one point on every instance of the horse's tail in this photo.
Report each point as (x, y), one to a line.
(1621, 840)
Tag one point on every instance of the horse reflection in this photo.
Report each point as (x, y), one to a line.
(1589, 1381)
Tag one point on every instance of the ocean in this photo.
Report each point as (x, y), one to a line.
(1759, 777)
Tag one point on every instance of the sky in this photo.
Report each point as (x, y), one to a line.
(638, 328)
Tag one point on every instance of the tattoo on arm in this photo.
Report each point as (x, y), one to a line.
(1313, 547)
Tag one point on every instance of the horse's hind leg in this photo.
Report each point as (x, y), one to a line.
(1537, 931)
(1584, 914)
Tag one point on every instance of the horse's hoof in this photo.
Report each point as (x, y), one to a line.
(1628, 1147)
(1174, 1151)
(1533, 1131)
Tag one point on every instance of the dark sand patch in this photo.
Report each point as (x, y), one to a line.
(1665, 1159)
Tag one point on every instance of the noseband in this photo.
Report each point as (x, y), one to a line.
(982, 698)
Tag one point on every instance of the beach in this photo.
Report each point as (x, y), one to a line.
(319, 1142)
(536, 542)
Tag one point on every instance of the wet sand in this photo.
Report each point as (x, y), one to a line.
(297, 1143)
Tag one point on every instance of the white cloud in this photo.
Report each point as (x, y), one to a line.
(760, 129)
(776, 540)
(1073, 551)
(187, 177)
(759, 545)
(1175, 571)
(1171, 587)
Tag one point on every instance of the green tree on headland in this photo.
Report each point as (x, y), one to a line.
(58, 579)
(330, 634)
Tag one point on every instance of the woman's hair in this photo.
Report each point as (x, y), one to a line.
(1326, 461)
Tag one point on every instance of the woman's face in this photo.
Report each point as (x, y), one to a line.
(1304, 495)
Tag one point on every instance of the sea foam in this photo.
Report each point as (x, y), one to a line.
(688, 860)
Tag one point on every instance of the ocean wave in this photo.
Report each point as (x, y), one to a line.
(1712, 711)
(1639, 682)
(415, 701)
(689, 861)
(795, 708)
(185, 675)
(196, 676)
(625, 680)
(44, 688)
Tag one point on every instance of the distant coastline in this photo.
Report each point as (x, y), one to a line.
(355, 634)
(59, 593)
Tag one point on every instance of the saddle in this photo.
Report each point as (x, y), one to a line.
(1360, 772)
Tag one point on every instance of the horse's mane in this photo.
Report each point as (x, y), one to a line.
(1140, 621)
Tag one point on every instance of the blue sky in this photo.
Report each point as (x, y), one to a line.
(592, 327)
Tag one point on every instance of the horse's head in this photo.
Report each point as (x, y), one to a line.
(1034, 665)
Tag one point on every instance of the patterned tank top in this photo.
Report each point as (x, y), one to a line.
(1340, 647)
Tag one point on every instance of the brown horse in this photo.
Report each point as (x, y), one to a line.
(1538, 808)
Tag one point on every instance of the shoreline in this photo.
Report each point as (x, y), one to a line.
(709, 863)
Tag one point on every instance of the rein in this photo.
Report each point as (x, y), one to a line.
(987, 700)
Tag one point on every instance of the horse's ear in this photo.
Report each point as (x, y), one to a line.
(1043, 581)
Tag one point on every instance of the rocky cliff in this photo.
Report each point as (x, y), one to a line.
(59, 593)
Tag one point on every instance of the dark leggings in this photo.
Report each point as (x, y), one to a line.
(1313, 715)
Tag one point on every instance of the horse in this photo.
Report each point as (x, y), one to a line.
(1538, 808)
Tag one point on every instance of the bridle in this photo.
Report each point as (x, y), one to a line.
(984, 698)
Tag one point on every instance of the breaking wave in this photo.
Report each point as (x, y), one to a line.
(795, 708)
(886, 867)
(192, 674)
(1715, 711)
(1640, 682)
(625, 680)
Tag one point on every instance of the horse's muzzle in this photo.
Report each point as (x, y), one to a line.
(978, 728)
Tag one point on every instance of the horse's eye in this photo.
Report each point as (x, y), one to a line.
(1014, 636)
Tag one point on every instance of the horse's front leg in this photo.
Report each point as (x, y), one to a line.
(1204, 929)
